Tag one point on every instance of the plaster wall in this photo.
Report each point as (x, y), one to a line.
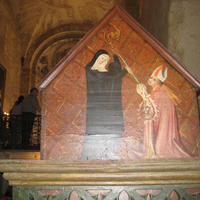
(184, 28)
(154, 18)
(10, 55)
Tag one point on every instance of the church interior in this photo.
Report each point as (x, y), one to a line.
(36, 35)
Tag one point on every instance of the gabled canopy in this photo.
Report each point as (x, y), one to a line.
(117, 10)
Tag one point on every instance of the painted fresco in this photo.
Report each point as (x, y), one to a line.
(147, 124)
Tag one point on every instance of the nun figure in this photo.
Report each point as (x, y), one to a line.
(104, 119)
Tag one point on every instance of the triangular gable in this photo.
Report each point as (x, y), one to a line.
(118, 10)
(64, 91)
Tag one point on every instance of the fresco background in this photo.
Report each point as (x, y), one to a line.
(64, 100)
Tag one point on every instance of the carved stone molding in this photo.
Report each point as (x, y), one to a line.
(97, 173)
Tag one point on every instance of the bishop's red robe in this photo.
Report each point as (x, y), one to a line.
(161, 136)
(166, 138)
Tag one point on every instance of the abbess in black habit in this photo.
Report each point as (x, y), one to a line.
(104, 106)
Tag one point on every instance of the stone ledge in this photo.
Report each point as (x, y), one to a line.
(97, 173)
(20, 154)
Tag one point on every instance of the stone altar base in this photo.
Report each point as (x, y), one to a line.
(123, 180)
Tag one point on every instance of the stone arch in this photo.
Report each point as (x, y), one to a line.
(70, 34)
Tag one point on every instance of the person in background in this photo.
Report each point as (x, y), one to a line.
(16, 123)
(17, 107)
(30, 106)
(1, 111)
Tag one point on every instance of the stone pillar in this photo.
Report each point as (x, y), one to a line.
(25, 82)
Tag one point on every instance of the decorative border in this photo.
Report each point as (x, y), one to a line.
(156, 192)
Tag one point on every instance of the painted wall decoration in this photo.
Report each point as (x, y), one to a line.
(118, 97)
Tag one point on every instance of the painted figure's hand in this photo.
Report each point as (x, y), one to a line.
(115, 51)
(141, 90)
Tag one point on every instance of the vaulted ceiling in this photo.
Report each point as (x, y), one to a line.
(48, 29)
